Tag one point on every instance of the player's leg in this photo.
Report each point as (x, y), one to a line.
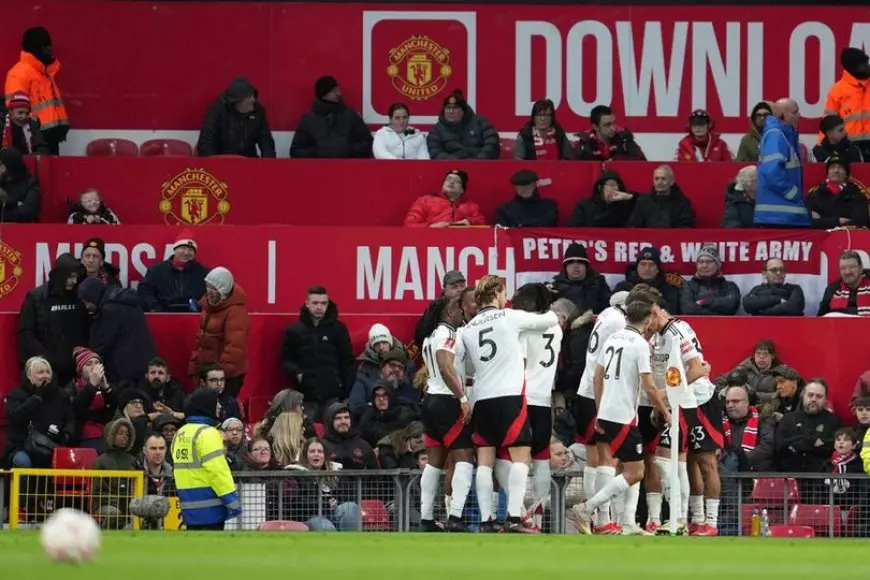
(584, 418)
(429, 481)
(521, 457)
(652, 483)
(696, 492)
(709, 442)
(463, 474)
(542, 429)
(484, 487)
(605, 472)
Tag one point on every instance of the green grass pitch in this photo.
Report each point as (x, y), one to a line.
(346, 556)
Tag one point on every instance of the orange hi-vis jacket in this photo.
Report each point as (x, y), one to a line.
(37, 80)
(850, 99)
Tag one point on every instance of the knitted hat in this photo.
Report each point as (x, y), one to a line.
(324, 85)
(524, 177)
(18, 100)
(837, 160)
(222, 280)
(463, 177)
(830, 122)
(91, 290)
(82, 355)
(452, 277)
(98, 244)
(185, 238)
(576, 253)
(711, 252)
(379, 333)
(650, 253)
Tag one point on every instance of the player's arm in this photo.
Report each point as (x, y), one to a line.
(530, 321)
(655, 395)
(445, 359)
(695, 369)
(598, 384)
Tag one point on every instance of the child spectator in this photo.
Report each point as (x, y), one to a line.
(861, 408)
(90, 209)
(845, 459)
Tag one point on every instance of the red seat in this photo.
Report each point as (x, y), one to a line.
(319, 429)
(775, 491)
(851, 521)
(507, 148)
(375, 515)
(282, 526)
(73, 458)
(112, 148)
(823, 519)
(791, 532)
(165, 148)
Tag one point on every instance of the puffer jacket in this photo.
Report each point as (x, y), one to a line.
(849, 203)
(120, 335)
(590, 293)
(116, 491)
(721, 297)
(739, 208)
(42, 408)
(668, 284)
(408, 145)
(436, 207)
(223, 335)
(762, 382)
(673, 210)
(715, 149)
(78, 215)
(331, 131)
(169, 289)
(472, 138)
(225, 131)
(594, 212)
(370, 361)
(532, 212)
(374, 425)
(767, 300)
(845, 149)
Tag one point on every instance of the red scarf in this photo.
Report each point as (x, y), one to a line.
(7, 135)
(840, 299)
(91, 429)
(837, 460)
(834, 188)
(546, 147)
(750, 432)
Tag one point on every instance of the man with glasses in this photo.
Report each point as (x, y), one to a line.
(211, 376)
(749, 143)
(774, 297)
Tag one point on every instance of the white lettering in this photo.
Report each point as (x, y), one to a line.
(860, 37)
(726, 74)
(116, 254)
(754, 68)
(797, 66)
(373, 281)
(552, 61)
(409, 278)
(575, 76)
(638, 81)
(138, 255)
(436, 267)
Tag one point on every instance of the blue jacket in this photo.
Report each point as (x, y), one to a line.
(779, 200)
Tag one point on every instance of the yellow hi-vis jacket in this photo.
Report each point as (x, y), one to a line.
(206, 489)
(865, 452)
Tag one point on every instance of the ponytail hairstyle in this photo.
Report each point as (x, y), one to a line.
(532, 298)
(430, 319)
(486, 289)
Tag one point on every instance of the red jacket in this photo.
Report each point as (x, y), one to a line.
(223, 335)
(435, 207)
(716, 150)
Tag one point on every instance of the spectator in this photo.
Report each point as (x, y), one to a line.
(393, 367)
(847, 97)
(701, 144)
(39, 418)
(342, 443)
(258, 456)
(749, 436)
(572, 361)
(164, 391)
(851, 293)
(332, 130)
(399, 449)
(19, 191)
(119, 331)
(609, 206)
(780, 178)
(740, 199)
(114, 493)
(460, 133)
(397, 140)
(93, 398)
(845, 460)
(666, 206)
(839, 201)
(35, 75)
(380, 342)
(747, 151)
(527, 208)
(236, 124)
(446, 209)
(836, 142)
(606, 141)
(542, 138)
(223, 330)
(787, 398)
(648, 270)
(236, 442)
(52, 320)
(118, 442)
(176, 284)
(284, 427)
(136, 407)
(18, 129)
(453, 283)
(212, 376)
(317, 354)
(774, 297)
(709, 293)
(861, 410)
(756, 371)
(384, 416)
(90, 209)
(167, 426)
(159, 475)
(95, 264)
(580, 283)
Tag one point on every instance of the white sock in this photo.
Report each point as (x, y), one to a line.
(502, 470)
(663, 464)
(428, 489)
(617, 508)
(683, 472)
(483, 486)
(654, 507)
(615, 486)
(516, 490)
(589, 475)
(712, 512)
(629, 515)
(463, 473)
(604, 474)
(542, 488)
(696, 504)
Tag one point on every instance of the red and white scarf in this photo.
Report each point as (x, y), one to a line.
(750, 431)
(7, 135)
(840, 299)
(546, 147)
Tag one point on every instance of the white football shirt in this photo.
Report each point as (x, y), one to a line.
(680, 332)
(611, 320)
(625, 356)
(541, 350)
(444, 337)
(492, 344)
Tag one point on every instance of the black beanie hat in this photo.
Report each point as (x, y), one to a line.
(97, 244)
(324, 85)
(576, 253)
(463, 176)
(837, 160)
(650, 253)
(524, 177)
(91, 290)
(35, 39)
(830, 122)
(851, 58)
(202, 403)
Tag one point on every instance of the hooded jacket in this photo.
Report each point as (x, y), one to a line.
(739, 208)
(41, 408)
(168, 289)
(845, 149)
(117, 458)
(774, 300)
(370, 361)
(525, 148)
(673, 210)
(715, 149)
(778, 200)
(437, 207)
(849, 97)
(35, 73)
(595, 212)
(37, 146)
(747, 151)
(225, 131)
(374, 425)
(721, 297)
(590, 293)
(391, 145)
(331, 131)
(473, 137)
(347, 449)
(662, 282)
(120, 335)
(363, 389)
(223, 334)
(19, 191)
(849, 203)
(531, 212)
(53, 321)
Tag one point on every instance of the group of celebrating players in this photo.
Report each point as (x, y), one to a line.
(491, 372)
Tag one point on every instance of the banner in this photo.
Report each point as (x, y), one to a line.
(856, 240)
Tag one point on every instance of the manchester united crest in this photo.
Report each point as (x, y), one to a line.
(194, 197)
(673, 377)
(10, 268)
(419, 68)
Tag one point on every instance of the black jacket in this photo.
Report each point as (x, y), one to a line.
(525, 143)
(120, 335)
(53, 321)
(322, 353)
(473, 137)
(38, 145)
(572, 361)
(168, 289)
(49, 406)
(590, 293)
(86, 411)
(374, 425)
(348, 449)
(170, 394)
(663, 211)
(767, 300)
(722, 297)
(739, 209)
(845, 149)
(796, 438)
(534, 212)
(831, 289)
(622, 147)
(594, 212)
(331, 131)
(77, 215)
(19, 191)
(225, 131)
(670, 292)
(761, 457)
(851, 203)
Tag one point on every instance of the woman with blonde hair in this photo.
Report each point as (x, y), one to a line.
(284, 427)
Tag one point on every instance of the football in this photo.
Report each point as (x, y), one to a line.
(70, 536)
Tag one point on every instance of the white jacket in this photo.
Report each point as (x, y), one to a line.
(391, 145)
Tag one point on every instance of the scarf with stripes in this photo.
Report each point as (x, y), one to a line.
(750, 431)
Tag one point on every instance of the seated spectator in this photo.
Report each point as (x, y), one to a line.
(580, 283)
(95, 264)
(862, 387)
(851, 293)
(740, 199)
(235, 442)
(380, 342)
(861, 409)
(136, 407)
(453, 284)
(609, 206)
(285, 427)
(332, 130)
(397, 140)
(236, 124)
(165, 392)
(702, 144)
(756, 371)
(19, 129)
(342, 443)
(839, 201)
(527, 208)
(212, 376)
(747, 151)
(845, 460)
(648, 270)
(606, 141)
(836, 142)
(447, 208)
(114, 493)
(384, 416)
(709, 293)
(94, 400)
(774, 297)
(749, 435)
(400, 449)
(258, 456)
(19, 191)
(542, 138)
(176, 284)
(460, 133)
(167, 426)
(90, 209)
(393, 367)
(787, 398)
(666, 206)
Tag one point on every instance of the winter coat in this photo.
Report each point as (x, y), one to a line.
(845, 149)
(721, 297)
(225, 131)
(595, 212)
(37, 146)
(78, 215)
(688, 149)
(223, 334)
(796, 437)
(850, 99)
(168, 289)
(532, 212)
(311, 496)
(19, 190)
(747, 151)
(850, 203)
(321, 353)
(622, 147)
(388, 458)
(347, 449)
(436, 207)
(331, 131)
(762, 382)
(26, 407)
(590, 293)
(363, 388)
(120, 335)
(471, 138)
(673, 210)
(170, 394)
(739, 208)
(767, 300)
(53, 321)
(116, 491)
(374, 425)
(370, 362)
(761, 457)
(778, 200)
(93, 408)
(391, 145)
(668, 284)
(525, 148)
(852, 305)
(572, 361)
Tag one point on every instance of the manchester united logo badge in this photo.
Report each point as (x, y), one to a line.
(673, 377)
(10, 269)
(419, 68)
(194, 197)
